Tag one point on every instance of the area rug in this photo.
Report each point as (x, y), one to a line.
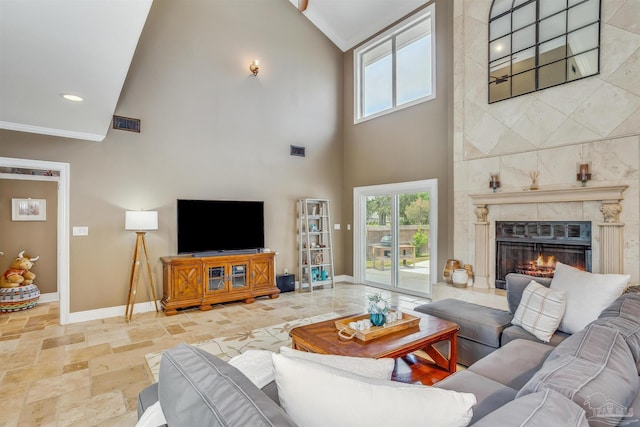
(269, 338)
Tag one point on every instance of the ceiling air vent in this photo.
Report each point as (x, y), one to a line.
(126, 123)
(297, 151)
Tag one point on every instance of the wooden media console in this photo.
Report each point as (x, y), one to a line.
(201, 281)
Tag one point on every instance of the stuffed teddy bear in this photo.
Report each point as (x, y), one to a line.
(18, 273)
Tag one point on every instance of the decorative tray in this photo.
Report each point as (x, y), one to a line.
(346, 332)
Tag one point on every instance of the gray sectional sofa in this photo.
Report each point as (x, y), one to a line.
(588, 379)
(485, 329)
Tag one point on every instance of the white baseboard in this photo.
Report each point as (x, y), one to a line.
(344, 278)
(49, 297)
(103, 313)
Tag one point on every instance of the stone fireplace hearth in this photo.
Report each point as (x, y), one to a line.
(609, 248)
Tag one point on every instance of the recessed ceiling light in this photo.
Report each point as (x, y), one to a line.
(70, 97)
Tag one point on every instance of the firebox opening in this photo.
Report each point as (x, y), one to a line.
(534, 248)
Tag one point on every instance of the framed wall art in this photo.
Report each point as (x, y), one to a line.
(28, 209)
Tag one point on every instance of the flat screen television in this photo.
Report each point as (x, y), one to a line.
(210, 226)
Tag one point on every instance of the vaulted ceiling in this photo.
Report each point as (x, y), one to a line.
(49, 48)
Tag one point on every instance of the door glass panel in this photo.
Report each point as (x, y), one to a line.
(413, 242)
(378, 239)
(239, 275)
(216, 279)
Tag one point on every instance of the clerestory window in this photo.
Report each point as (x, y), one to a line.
(396, 69)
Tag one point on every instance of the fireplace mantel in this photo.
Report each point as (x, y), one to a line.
(606, 194)
(611, 230)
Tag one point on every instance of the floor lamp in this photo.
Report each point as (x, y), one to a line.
(140, 222)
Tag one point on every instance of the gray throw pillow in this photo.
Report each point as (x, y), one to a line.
(197, 388)
(596, 370)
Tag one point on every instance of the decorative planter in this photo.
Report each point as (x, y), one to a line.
(460, 277)
(449, 266)
(377, 319)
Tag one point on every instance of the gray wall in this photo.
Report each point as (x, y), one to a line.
(210, 130)
(408, 145)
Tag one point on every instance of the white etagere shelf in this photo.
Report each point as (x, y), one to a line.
(315, 250)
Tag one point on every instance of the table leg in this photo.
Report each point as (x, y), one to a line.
(449, 364)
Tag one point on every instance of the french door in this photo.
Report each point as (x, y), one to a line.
(395, 236)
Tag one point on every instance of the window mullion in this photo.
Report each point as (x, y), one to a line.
(394, 90)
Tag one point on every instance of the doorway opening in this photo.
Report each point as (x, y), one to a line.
(63, 169)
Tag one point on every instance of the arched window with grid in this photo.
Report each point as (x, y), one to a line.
(536, 44)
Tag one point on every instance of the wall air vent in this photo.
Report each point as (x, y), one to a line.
(297, 151)
(126, 123)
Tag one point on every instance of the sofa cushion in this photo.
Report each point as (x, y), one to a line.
(490, 394)
(595, 369)
(513, 364)
(540, 310)
(198, 388)
(587, 294)
(318, 395)
(517, 333)
(624, 315)
(477, 322)
(541, 409)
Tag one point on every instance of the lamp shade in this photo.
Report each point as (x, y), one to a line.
(141, 220)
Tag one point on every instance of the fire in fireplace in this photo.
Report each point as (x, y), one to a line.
(534, 247)
(542, 266)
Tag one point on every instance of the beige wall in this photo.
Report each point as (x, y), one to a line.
(210, 130)
(37, 238)
(595, 119)
(408, 145)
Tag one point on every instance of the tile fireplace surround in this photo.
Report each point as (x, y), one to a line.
(611, 230)
(550, 132)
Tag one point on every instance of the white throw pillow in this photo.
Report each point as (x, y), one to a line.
(316, 395)
(587, 294)
(255, 365)
(372, 368)
(540, 310)
(152, 417)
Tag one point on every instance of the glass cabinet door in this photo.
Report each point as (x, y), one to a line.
(239, 275)
(216, 279)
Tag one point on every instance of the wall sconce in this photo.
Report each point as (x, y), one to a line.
(494, 182)
(254, 67)
(584, 174)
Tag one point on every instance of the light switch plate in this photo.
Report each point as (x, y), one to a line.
(80, 231)
(336, 226)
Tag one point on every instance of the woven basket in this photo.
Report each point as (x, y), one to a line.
(20, 298)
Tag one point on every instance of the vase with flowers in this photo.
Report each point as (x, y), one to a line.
(378, 309)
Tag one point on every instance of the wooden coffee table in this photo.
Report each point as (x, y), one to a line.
(322, 337)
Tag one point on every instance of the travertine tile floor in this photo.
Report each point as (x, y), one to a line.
(89, 374)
